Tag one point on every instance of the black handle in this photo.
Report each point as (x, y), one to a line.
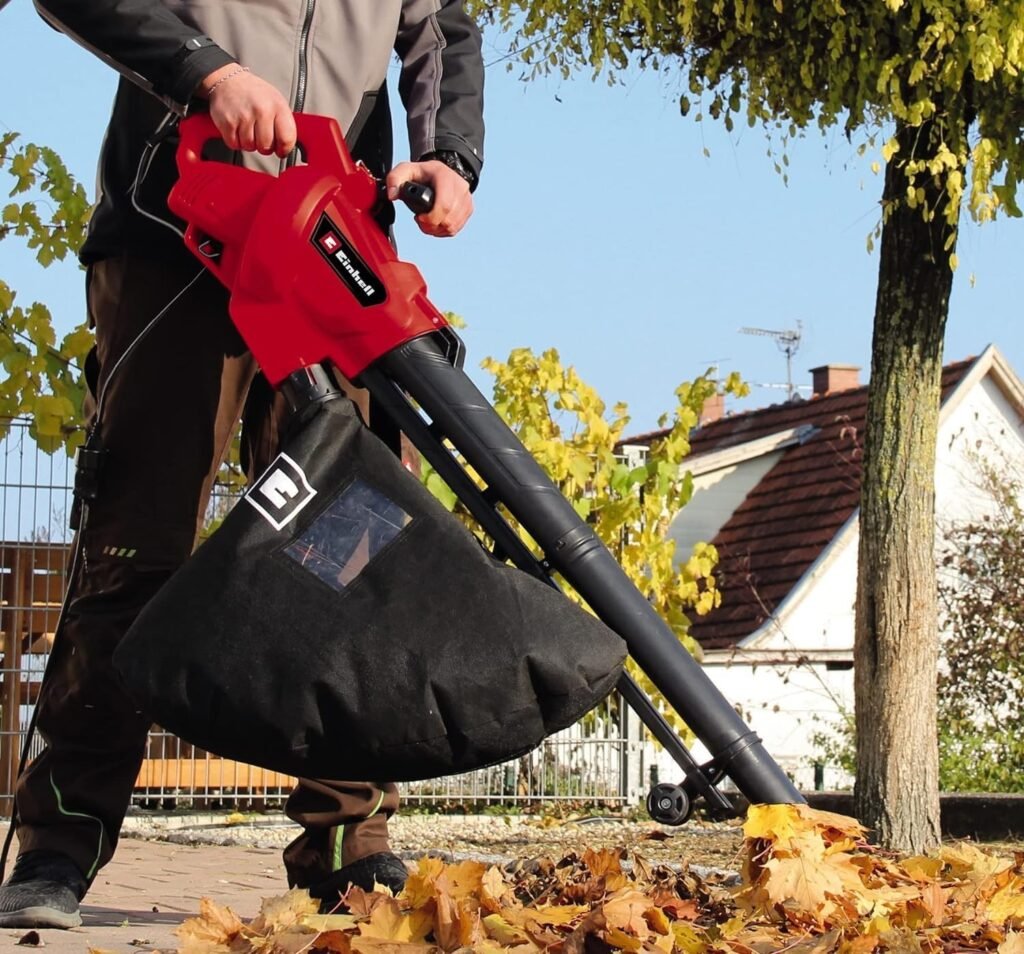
(416, 195)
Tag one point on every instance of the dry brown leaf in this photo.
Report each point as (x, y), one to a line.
(456, 922)
(824, 944)
(862, 944)
(333, 942)
(655, 834)
(625, 911)
(362, 903)
(494, 890)
(678, 909)
(605, 862)
(593, 923)
(933, 899)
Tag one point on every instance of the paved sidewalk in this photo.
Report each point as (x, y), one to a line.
(150, 887)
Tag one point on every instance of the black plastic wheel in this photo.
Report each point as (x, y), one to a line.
(668, 804)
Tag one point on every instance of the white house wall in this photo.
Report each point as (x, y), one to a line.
(788, 702)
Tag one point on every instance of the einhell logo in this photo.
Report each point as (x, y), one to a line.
(346, 262)
(281, 492)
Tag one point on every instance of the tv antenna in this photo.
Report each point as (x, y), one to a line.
(788, 342)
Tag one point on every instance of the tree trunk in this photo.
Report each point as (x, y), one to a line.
(896, 643)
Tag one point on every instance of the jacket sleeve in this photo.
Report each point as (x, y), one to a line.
(442, 79)
(143, 40)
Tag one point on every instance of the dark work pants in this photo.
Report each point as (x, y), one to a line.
(168, 416)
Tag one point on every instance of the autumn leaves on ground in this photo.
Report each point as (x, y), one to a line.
(810, 883)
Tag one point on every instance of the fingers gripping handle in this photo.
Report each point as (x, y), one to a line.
(320, 139)
(417, 196)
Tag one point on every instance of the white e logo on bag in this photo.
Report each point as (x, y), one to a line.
(281, 492)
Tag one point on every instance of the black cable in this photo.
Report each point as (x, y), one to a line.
(145, 162)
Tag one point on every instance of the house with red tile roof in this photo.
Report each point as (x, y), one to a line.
(777, 492)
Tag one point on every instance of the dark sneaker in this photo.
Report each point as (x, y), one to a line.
(384, 868)
(43, 891)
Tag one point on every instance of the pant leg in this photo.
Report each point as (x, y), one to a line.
(168, 415)
(342, 821)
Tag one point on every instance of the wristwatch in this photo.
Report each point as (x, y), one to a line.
(454, 162)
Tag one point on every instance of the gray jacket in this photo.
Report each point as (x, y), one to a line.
(327, 56)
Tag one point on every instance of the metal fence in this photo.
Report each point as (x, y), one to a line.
(598, 761)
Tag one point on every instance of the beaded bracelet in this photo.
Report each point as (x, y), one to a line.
(225, 78)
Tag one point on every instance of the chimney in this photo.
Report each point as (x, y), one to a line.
(713, 410)
(834, 377)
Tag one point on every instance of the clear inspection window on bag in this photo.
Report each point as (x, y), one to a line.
(359, 523)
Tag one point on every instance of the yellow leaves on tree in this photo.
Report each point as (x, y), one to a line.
(41, 379)
(811, 885)
(629, 502)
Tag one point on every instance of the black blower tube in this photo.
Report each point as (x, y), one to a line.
(467, 419)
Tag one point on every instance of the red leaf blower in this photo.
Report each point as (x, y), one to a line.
(314, 281)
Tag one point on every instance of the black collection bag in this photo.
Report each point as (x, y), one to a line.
(342, 624)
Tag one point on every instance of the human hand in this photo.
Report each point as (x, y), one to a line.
(248, 112)
(453, 205)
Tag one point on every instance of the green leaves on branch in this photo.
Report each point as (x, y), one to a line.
(794, 64)
(41, 378)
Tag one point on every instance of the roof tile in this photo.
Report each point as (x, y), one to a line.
(794, 512)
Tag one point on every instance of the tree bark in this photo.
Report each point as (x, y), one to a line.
(896, 642)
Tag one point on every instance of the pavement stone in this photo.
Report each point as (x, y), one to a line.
(151, 887)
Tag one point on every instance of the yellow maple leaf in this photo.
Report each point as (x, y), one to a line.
(380, 945)
(215, 927)
(284, 911)
(462, 880)
(456, 922)
(1014, 944)
(657, 920)
(780, 823)
(419, 886)
(774, 822)
(494, 890)
(325, 923)
(503, 931)
(1006, 906)
(965, 861)
(803, 882)
(544, 914)
(922, 867)
(622, 941)
(388, 922)
(689, 940)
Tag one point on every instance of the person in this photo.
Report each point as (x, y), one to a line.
(170, 410)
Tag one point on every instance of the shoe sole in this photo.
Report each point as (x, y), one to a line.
(41, 917)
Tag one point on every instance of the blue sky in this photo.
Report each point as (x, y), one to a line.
(602, 230)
